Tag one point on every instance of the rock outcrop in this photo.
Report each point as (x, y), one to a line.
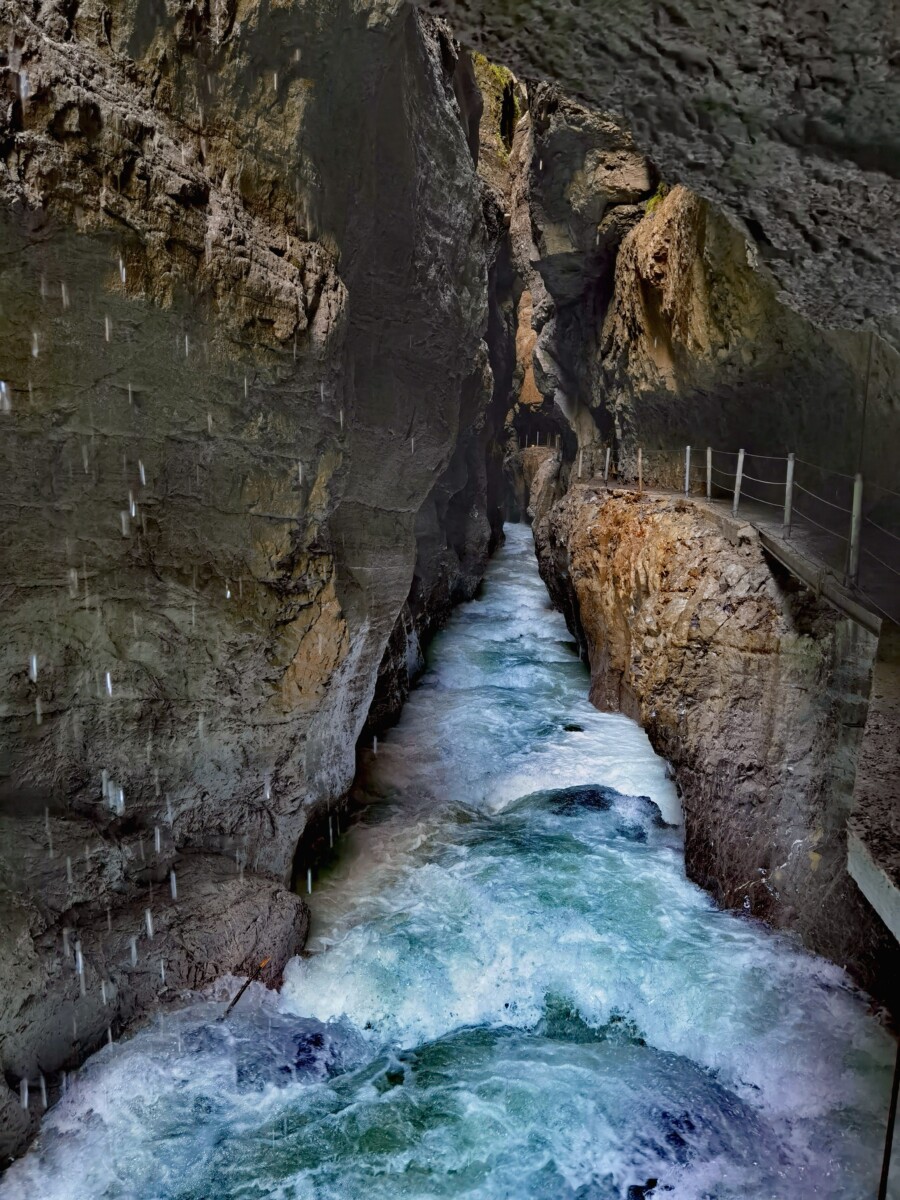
(787, 123)
(751, 688)
(243, 296)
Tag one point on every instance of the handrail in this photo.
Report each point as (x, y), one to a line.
(687, 472)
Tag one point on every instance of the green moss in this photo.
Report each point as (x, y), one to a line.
(501, 102)
(662, 190)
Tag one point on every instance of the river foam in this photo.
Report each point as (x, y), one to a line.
(513, 991)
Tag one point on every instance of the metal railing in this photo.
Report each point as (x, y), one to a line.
(850, 525)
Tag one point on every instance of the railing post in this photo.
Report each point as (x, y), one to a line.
(687, 470)
(640, 470)
(788, 496)
(709, 472)
(737, 483)
(855, 530)
(606, 465)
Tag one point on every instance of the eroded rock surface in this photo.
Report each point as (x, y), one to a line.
(750, 687)
(243, 295)
(787, 121)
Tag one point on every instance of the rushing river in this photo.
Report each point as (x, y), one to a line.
(513, 993)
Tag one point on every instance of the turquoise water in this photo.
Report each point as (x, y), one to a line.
(513, 990)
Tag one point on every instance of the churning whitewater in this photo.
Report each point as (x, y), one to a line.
(513, 991)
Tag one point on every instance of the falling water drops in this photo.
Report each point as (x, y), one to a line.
(35, 348)
(108, 683)
(173, 884)
(148, 921)
(43, 1083)
(142, 473)
(309, 881)
(23, 1093)
(33, 667)
(107, 328)
(134, 951)
(5, 397)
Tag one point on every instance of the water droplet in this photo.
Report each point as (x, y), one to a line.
(108, 683)
(33, 668)
(308, 881)
(35, 349)
(134, 954)
(107, 328)
(38, 710)
(5, 397)
(173, 884)
(121, 269)
(23, 1093)
(148, 921)
(142, 473)
(64, 292)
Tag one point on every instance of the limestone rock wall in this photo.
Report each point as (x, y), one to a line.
(784, 119)
(646, 318)
(751, 688)
(243, 294)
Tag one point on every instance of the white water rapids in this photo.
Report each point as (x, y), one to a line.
(514, 993)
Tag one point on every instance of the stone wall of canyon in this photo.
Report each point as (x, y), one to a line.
(752, 689)
(247, 401)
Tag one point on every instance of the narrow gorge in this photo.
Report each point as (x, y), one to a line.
(335, 356)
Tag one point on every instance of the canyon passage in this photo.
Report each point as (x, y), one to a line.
(511, 988)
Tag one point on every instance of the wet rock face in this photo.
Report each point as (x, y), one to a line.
(242, 302)
(647, 319)
(752, 689)
(787, 123)
(577, 183)
(697, 347)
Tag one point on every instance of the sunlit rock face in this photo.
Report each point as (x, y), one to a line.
(787, 122)
(753, 690)
(648, 320)
(697, 348)
(242, 299)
